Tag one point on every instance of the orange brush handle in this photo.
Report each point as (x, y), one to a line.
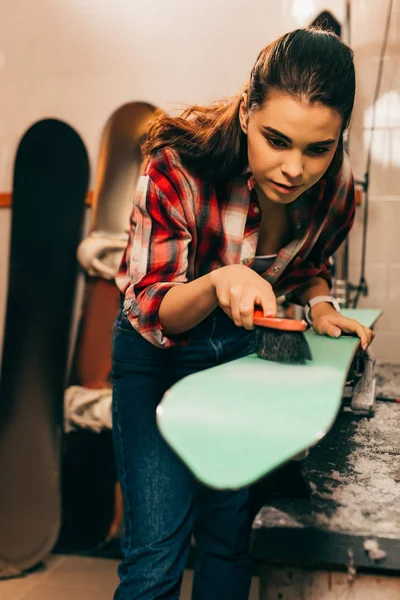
(276, 323)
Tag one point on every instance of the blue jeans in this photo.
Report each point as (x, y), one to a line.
(163, 504)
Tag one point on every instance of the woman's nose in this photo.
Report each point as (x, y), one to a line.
(293, 167)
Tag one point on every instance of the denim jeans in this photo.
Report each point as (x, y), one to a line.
(163, 504)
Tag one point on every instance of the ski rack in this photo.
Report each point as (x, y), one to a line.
(359, 392)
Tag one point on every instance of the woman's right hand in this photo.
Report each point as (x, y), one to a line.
(239, 289)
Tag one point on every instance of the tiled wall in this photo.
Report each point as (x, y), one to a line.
(79, 60)
(383, 241)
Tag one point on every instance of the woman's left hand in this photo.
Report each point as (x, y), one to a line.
(329, 322)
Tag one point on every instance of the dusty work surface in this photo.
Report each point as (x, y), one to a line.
(387, 380)
(353, 514)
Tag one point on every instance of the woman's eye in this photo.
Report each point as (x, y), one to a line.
(318, 150)
(276, 142)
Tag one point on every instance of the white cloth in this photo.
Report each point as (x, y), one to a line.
(86, 408)
(101, 252)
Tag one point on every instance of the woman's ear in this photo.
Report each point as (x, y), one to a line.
(243, 113)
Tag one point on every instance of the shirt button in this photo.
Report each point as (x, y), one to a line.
(298, 225)
(277, 269)
(245, 261)
(256, 210)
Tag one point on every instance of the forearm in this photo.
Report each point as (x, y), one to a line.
(186, 305)
(315, 287)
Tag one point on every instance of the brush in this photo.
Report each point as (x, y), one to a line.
(281, 340)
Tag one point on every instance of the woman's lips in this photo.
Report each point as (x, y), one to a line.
(285, 189)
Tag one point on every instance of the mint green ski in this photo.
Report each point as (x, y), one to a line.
(234, 423)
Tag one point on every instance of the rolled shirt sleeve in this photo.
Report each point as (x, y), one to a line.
(156, 258)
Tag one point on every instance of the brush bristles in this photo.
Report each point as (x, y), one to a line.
(282, 346)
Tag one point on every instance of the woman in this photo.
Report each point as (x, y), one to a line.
(239, 203)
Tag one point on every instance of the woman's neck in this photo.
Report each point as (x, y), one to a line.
(274, 226)
(270, 210)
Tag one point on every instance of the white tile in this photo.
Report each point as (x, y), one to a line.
(367, 70)
(386, 346)
(78, 570)
(67, 592)
(88, 57)
(355, 237)
(47, 566)
(354, 272)
(394, 297)
(368, 19)
(385, 162)
(18, 587)
(377, 276)
(358, 151)
(385, 151)
(384, 175)
(14, 589)
(382, 232)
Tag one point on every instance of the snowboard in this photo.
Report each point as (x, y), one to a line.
(92, 509)
(51, 173)
(239, 421)
(118, 170)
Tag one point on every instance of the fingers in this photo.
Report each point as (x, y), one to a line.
(235, 305)
(325, 327)
(242, 306)
(252, 298)
(241, 302)
(268, 303)
(334, 326)
(246, 309)
(366, 336)
(238, 290)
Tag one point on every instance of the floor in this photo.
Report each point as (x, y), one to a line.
(77, 578)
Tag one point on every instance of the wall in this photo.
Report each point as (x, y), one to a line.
(383, 246)
(78, 60)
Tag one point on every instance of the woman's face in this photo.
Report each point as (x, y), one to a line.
(290, 144)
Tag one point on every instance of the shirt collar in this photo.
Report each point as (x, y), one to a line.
(317, 191)
(299, 210)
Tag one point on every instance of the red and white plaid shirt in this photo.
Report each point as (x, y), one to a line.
(182, 227)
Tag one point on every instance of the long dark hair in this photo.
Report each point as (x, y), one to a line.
(308, 64)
